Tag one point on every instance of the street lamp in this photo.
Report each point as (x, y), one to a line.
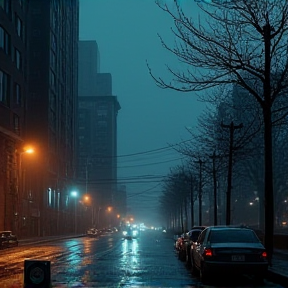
(75, 195)
(20, 189)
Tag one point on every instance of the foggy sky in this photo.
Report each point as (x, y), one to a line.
(150, 118)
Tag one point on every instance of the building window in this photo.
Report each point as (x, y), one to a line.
(17, 95)
(2, 37)
(5, 40)
(52, 59)
(6, 5)
(19, 26)
(102, 112)
(52, 79)
(17, 59)
(49, 197)
(4, 88)
(53, 42)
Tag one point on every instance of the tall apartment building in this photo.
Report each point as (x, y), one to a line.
(12, 107)
(52, 37)
(98, 109)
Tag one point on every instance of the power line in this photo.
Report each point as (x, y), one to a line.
(154, 150)
(145, 191)
(148, 164)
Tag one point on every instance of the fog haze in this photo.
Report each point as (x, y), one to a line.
(151, 119)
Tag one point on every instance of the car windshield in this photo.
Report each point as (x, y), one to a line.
(227, 236)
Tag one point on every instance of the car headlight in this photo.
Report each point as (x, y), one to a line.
(135, 233)
(124, 233)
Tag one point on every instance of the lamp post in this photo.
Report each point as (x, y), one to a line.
(109, 209)
(88, 201)
(98, 218)
(20, 191)
(75, 195)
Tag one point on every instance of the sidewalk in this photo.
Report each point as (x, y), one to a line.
(277, 273)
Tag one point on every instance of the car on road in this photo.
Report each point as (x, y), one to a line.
(8, 239)
(93, 232)
(228, 251)
(131, 232)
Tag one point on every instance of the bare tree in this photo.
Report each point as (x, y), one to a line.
(244, 43)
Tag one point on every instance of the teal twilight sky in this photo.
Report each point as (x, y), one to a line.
(151, 119)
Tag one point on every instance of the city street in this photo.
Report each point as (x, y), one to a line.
(108, 261)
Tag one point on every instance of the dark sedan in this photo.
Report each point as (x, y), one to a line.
(7, 239)
(228, 250)
(185, 242)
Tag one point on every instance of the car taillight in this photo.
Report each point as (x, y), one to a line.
(264, 254)
(207, 252)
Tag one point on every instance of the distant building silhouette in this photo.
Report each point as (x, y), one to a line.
(98, 109)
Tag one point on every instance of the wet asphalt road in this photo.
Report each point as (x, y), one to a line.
(108, 261)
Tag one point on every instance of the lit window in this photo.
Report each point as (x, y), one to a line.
(49, 197)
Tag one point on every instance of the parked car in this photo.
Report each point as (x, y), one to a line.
(7, 239)
(192, 236)
(184, 243)
(93, 232)
(179, 242)
(228, 250)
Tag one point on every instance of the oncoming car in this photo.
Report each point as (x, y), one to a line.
(131, 232)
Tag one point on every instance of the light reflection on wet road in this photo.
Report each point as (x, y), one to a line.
(107, 261)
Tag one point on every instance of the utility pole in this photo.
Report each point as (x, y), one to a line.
(192, 200)
(215, 187)
(231, 128)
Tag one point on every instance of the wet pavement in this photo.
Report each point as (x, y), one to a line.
(120, 263)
